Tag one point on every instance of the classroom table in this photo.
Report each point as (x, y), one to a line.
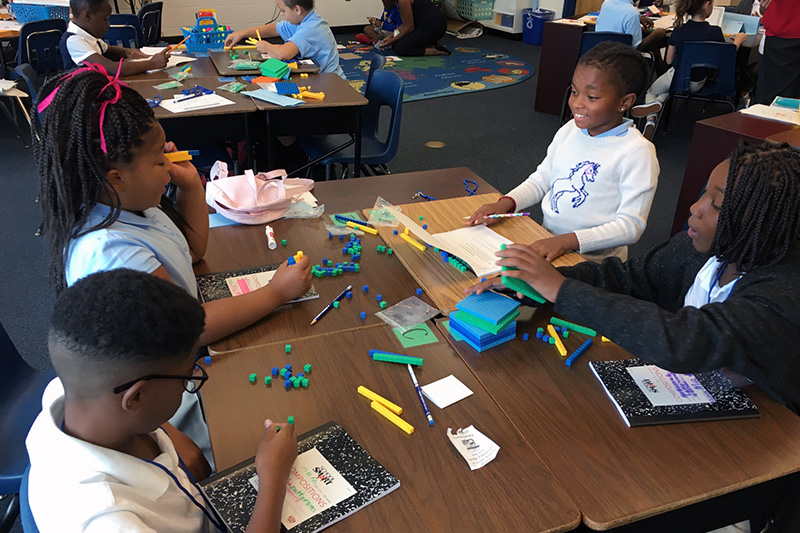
(202, 67)
(712, 142)
(222, 62)
(438, 492)
(619, 475)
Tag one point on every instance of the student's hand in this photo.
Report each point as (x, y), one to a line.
(184, 175)
(659, 33)
(262, 47)
(191, 454)
(739, 38)
(293, 281)
(135, 53)
(233, 38)
(386, 42)
(373, 21)
(532, 268)
(276, 453)
(502, 206)
(160, 59)
(554, 247)
(489, 284)
(646, 22)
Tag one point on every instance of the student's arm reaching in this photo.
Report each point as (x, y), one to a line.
(266, 31)
(129, 68)
(274, 459)
(191, 204)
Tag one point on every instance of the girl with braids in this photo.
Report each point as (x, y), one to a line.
(722, 294)
(101, 159)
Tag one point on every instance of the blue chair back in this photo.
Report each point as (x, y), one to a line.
(32, 81)
(385, 89)
(719, 59)
(25, 514)
(124, 31)
(589, 39)
(21, 389)
(39, 45)
(378, 62)
(150, 22)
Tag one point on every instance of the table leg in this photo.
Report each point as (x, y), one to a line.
(270, 143)
(357, 156)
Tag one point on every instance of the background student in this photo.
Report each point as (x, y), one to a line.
(83, 42)
(305, 32)
(379, 29)
(597, 182)
(421, 27)
(123, 345)
(100, 154)
(621, 16)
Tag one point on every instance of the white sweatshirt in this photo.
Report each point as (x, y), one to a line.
(601, 188)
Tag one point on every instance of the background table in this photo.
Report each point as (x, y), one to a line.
(438, 492)
(615, 474)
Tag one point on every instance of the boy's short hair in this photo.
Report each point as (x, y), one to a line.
(123, 319)
(80, 6)
(305, 5)
(624, 64)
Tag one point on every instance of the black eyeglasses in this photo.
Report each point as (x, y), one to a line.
(190, 383)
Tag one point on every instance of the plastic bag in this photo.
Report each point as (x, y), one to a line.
(379, 216)
(232, 87)
(408, 313)
(303, 210)
(168, 85)
(342, 230)
(180, 76)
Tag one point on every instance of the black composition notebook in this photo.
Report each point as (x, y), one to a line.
(215, 285)
(233, 495)
(670, 397)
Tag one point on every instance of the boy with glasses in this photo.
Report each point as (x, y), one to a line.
(123, 344)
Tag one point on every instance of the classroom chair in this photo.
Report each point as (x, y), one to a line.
(10, 110)
(39, 45)
(378, 62)
(21, 389)
(124, 31)
(150, 23)
(25, 514)
(385, 90)
(720, 61)
(589, 39)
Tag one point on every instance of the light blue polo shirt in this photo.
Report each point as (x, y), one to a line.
(618, 131)
(140, 242)
(314, 39)
(622, 17)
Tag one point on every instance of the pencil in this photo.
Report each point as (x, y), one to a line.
(330, 305)
(171, 48)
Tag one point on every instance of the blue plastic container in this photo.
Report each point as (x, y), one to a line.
(25, 13)
(533, 24)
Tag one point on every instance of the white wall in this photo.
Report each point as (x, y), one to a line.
(241, 14)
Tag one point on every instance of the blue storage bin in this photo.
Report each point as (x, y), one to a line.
(25, 13)
(205, 35)
(533, 24)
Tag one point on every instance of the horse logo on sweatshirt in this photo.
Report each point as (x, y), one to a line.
(574, 184)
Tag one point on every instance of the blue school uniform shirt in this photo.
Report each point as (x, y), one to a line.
(622, 17)
(140, 242)
(314, 39)
(391, 18)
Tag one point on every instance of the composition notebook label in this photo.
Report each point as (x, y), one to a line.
(313, 486)
(667, 388)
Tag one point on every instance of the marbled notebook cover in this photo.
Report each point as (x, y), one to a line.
(213, 286)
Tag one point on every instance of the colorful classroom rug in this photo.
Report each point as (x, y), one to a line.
(466, 70)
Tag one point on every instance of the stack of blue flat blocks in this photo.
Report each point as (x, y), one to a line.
(485, 320)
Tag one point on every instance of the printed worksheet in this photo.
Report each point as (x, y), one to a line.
(668, 388)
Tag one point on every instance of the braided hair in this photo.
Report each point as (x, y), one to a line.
(624, 64)
(759, 219)
(72, 165)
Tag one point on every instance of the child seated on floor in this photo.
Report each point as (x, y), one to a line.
(123, 345)
(305, 32)
(695, 29)
(83, 42)
(597, 182)
(379, 29)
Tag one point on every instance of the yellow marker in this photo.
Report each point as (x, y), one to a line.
(419, 246)
(605, 339)
(559, 344)
(178, 157)
(365, 229)
(393, 418)
(258, 35)
(396, 409)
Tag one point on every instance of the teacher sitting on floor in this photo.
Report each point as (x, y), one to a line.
(421, 28)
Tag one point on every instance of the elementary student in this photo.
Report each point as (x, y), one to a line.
(694, 29)
(379, 29)
(100, 154)
(597, 182)
(621, 16)
(123, 345)
(305, 32)
(83, 42)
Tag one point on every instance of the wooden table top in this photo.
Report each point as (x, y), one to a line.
(222, 62)
(338, 93)
(438, 492)
(616, 474)
(241, 103)
(441, 281)
(202, 67)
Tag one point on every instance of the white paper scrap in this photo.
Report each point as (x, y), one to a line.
(194, 104)
(446, 391)
(474, 446)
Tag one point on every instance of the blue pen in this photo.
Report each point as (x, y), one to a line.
(419, 393)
